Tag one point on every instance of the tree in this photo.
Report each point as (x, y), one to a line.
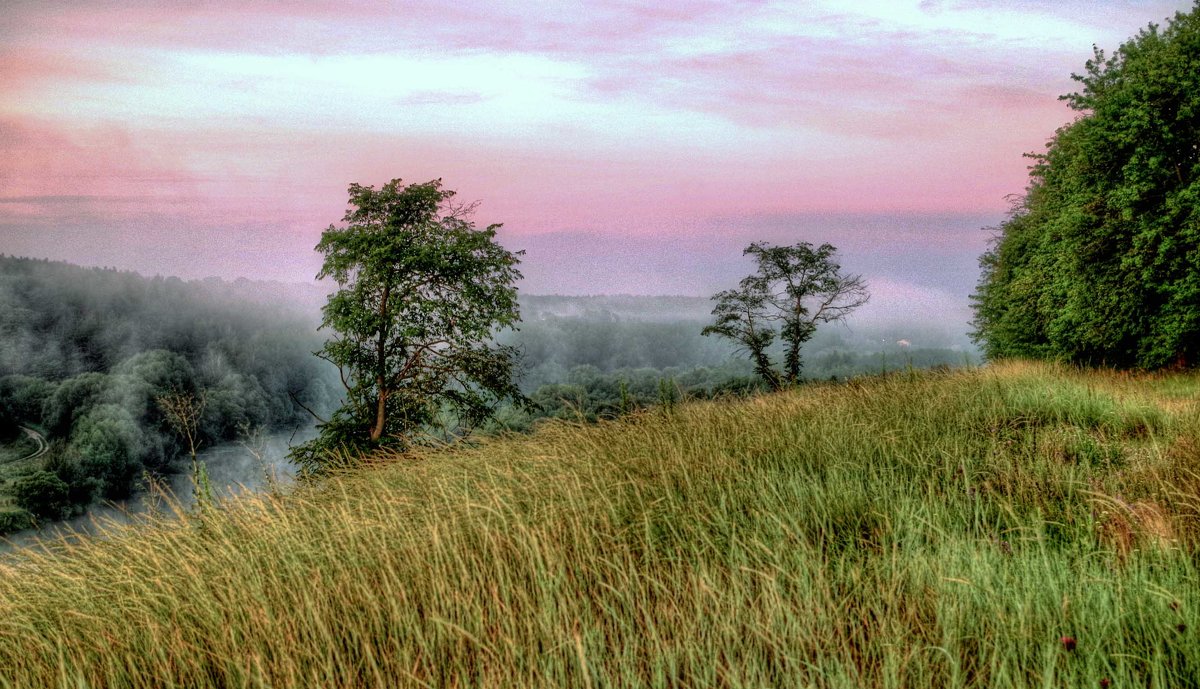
(795, 288)
(9, 425)
(183, 412)
(421, 292)
(110, 444)
(741, 315)
(1099, 262)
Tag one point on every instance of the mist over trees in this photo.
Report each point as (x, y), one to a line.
(85, 355)
(1099, 262)
(600, 356)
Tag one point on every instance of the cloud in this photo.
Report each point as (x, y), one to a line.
(606, 135)
(418, 98)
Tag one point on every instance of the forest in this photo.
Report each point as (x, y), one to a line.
(88, 356)
(1098, 262)
(754, 488)
(600, 356)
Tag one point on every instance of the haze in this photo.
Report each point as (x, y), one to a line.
(627, 149)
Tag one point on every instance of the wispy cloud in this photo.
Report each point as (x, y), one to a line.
(574, 119)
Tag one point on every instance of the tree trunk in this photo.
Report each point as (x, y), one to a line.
(792, 361)
(762, 366)
(380, 413)
(381, 367)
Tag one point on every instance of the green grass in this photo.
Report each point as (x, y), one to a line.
(13, 464)
(16, 449)
(928, 529)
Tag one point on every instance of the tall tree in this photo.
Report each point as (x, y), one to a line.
(1099, 263)
(421, 293)
(795, 287)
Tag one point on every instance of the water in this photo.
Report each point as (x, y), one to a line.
(233, 469)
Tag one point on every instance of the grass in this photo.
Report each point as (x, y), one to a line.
(12, 451)
(13, 463)
(1019, 525)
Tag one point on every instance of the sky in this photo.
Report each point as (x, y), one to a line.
(626, 147)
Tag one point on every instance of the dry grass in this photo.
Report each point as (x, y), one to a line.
(908, 531)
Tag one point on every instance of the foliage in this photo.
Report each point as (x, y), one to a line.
(110, 444)
(22, 396)
(588, 394)
(183, 411)
(421, 293)
(15, 520)
(9, 424)
(552, 345)
(44, 495)
(910, 530)
(1099, 262)
(796, 287)
(66, 463)
(85, 353)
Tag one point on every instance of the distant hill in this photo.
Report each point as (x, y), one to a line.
(618, 306)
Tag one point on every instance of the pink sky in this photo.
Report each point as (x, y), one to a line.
(628, 149)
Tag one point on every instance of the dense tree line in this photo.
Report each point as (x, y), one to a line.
(554, 345)
(586, 392)
(580, 332)
(1099, 262)
(87, 355)
(8, 422)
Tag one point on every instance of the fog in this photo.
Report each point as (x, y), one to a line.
(84, 352)
(93, 359)
(233, 469)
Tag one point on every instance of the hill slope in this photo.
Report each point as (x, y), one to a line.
(1017, 525)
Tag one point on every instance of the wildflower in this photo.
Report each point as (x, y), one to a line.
(1105, 683)
(1068, 643)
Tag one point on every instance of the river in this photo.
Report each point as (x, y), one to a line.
(232, 468)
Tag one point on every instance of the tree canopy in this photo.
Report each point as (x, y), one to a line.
(1099, 262)
(86, 352)
(421, 293)
(795, 288)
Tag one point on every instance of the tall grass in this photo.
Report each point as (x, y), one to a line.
(1018, 525)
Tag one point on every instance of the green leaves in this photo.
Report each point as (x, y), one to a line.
(795, 286)
(1097, 264)
(421, 293)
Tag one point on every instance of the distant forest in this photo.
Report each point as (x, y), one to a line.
(86, 355)
(600, 356)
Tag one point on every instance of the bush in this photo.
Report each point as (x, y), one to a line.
(15, 520)
(43, 494)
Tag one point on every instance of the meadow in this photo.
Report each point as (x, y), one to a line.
(1016, 525)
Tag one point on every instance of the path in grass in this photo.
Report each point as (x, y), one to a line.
(42, 446)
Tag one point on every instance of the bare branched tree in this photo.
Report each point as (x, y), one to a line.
(182, 411)
(796, 287)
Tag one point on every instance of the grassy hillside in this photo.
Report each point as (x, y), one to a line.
(1019, 525)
